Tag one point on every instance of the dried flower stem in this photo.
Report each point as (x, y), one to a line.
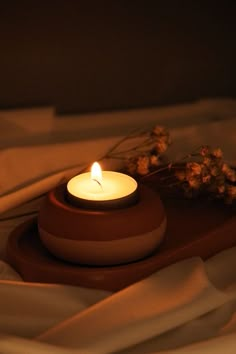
(148, 142)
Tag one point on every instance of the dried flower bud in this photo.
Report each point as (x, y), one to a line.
(131, 166)
(206, 179)
(154, 160)
(143, 165)
(214, 170)
(217, 153)
(231, 191)
(207, 161)
(229, 173)
(225, 168)
(221, 189)
(231, 176)
(194, 182)
(194, 167)
(204, 150)
(161, 147)
(164, 139)
(180, 174)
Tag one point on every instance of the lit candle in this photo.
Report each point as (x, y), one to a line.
(102, 190)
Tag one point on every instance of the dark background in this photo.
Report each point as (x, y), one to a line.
(84, 56)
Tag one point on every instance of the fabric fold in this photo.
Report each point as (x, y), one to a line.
(162, 302)
(7, 272)
(224, 344)
(28, 309)
(16, 345)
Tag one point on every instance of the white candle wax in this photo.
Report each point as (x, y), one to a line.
(114, 185)
(103, 187)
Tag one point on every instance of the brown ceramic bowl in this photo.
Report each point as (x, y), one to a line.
(106, 237)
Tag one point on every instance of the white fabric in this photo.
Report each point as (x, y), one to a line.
(164, 301)
(27, 125)
(28, 309)
(188, 307)
(190, 301)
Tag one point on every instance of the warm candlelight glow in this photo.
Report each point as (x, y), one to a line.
(96, 172)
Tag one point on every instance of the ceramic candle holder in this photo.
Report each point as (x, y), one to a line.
(101, 237)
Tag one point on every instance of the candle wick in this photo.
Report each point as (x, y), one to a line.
(99, 183)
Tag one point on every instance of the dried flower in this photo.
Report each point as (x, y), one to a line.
(194, 167)
(221, 188)
(143, 165)
(232, 176)
(154, 160)
(230, 194)
(162, 137)
(217, 153)
(205, 150)
(206, 179)
(194, 182)
(207, 161)
(203, 171)
(131, 166)
(229, 173)
(180, 174)
(214, 170)
(225, 168)
(161, 147)
(231, 191)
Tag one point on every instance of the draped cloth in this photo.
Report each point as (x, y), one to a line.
(187, 307)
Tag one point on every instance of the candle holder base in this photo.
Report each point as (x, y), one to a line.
(195, 228)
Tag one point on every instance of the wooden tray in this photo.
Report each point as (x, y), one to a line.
(195, 228)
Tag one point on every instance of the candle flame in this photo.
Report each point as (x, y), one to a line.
(96, 172)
